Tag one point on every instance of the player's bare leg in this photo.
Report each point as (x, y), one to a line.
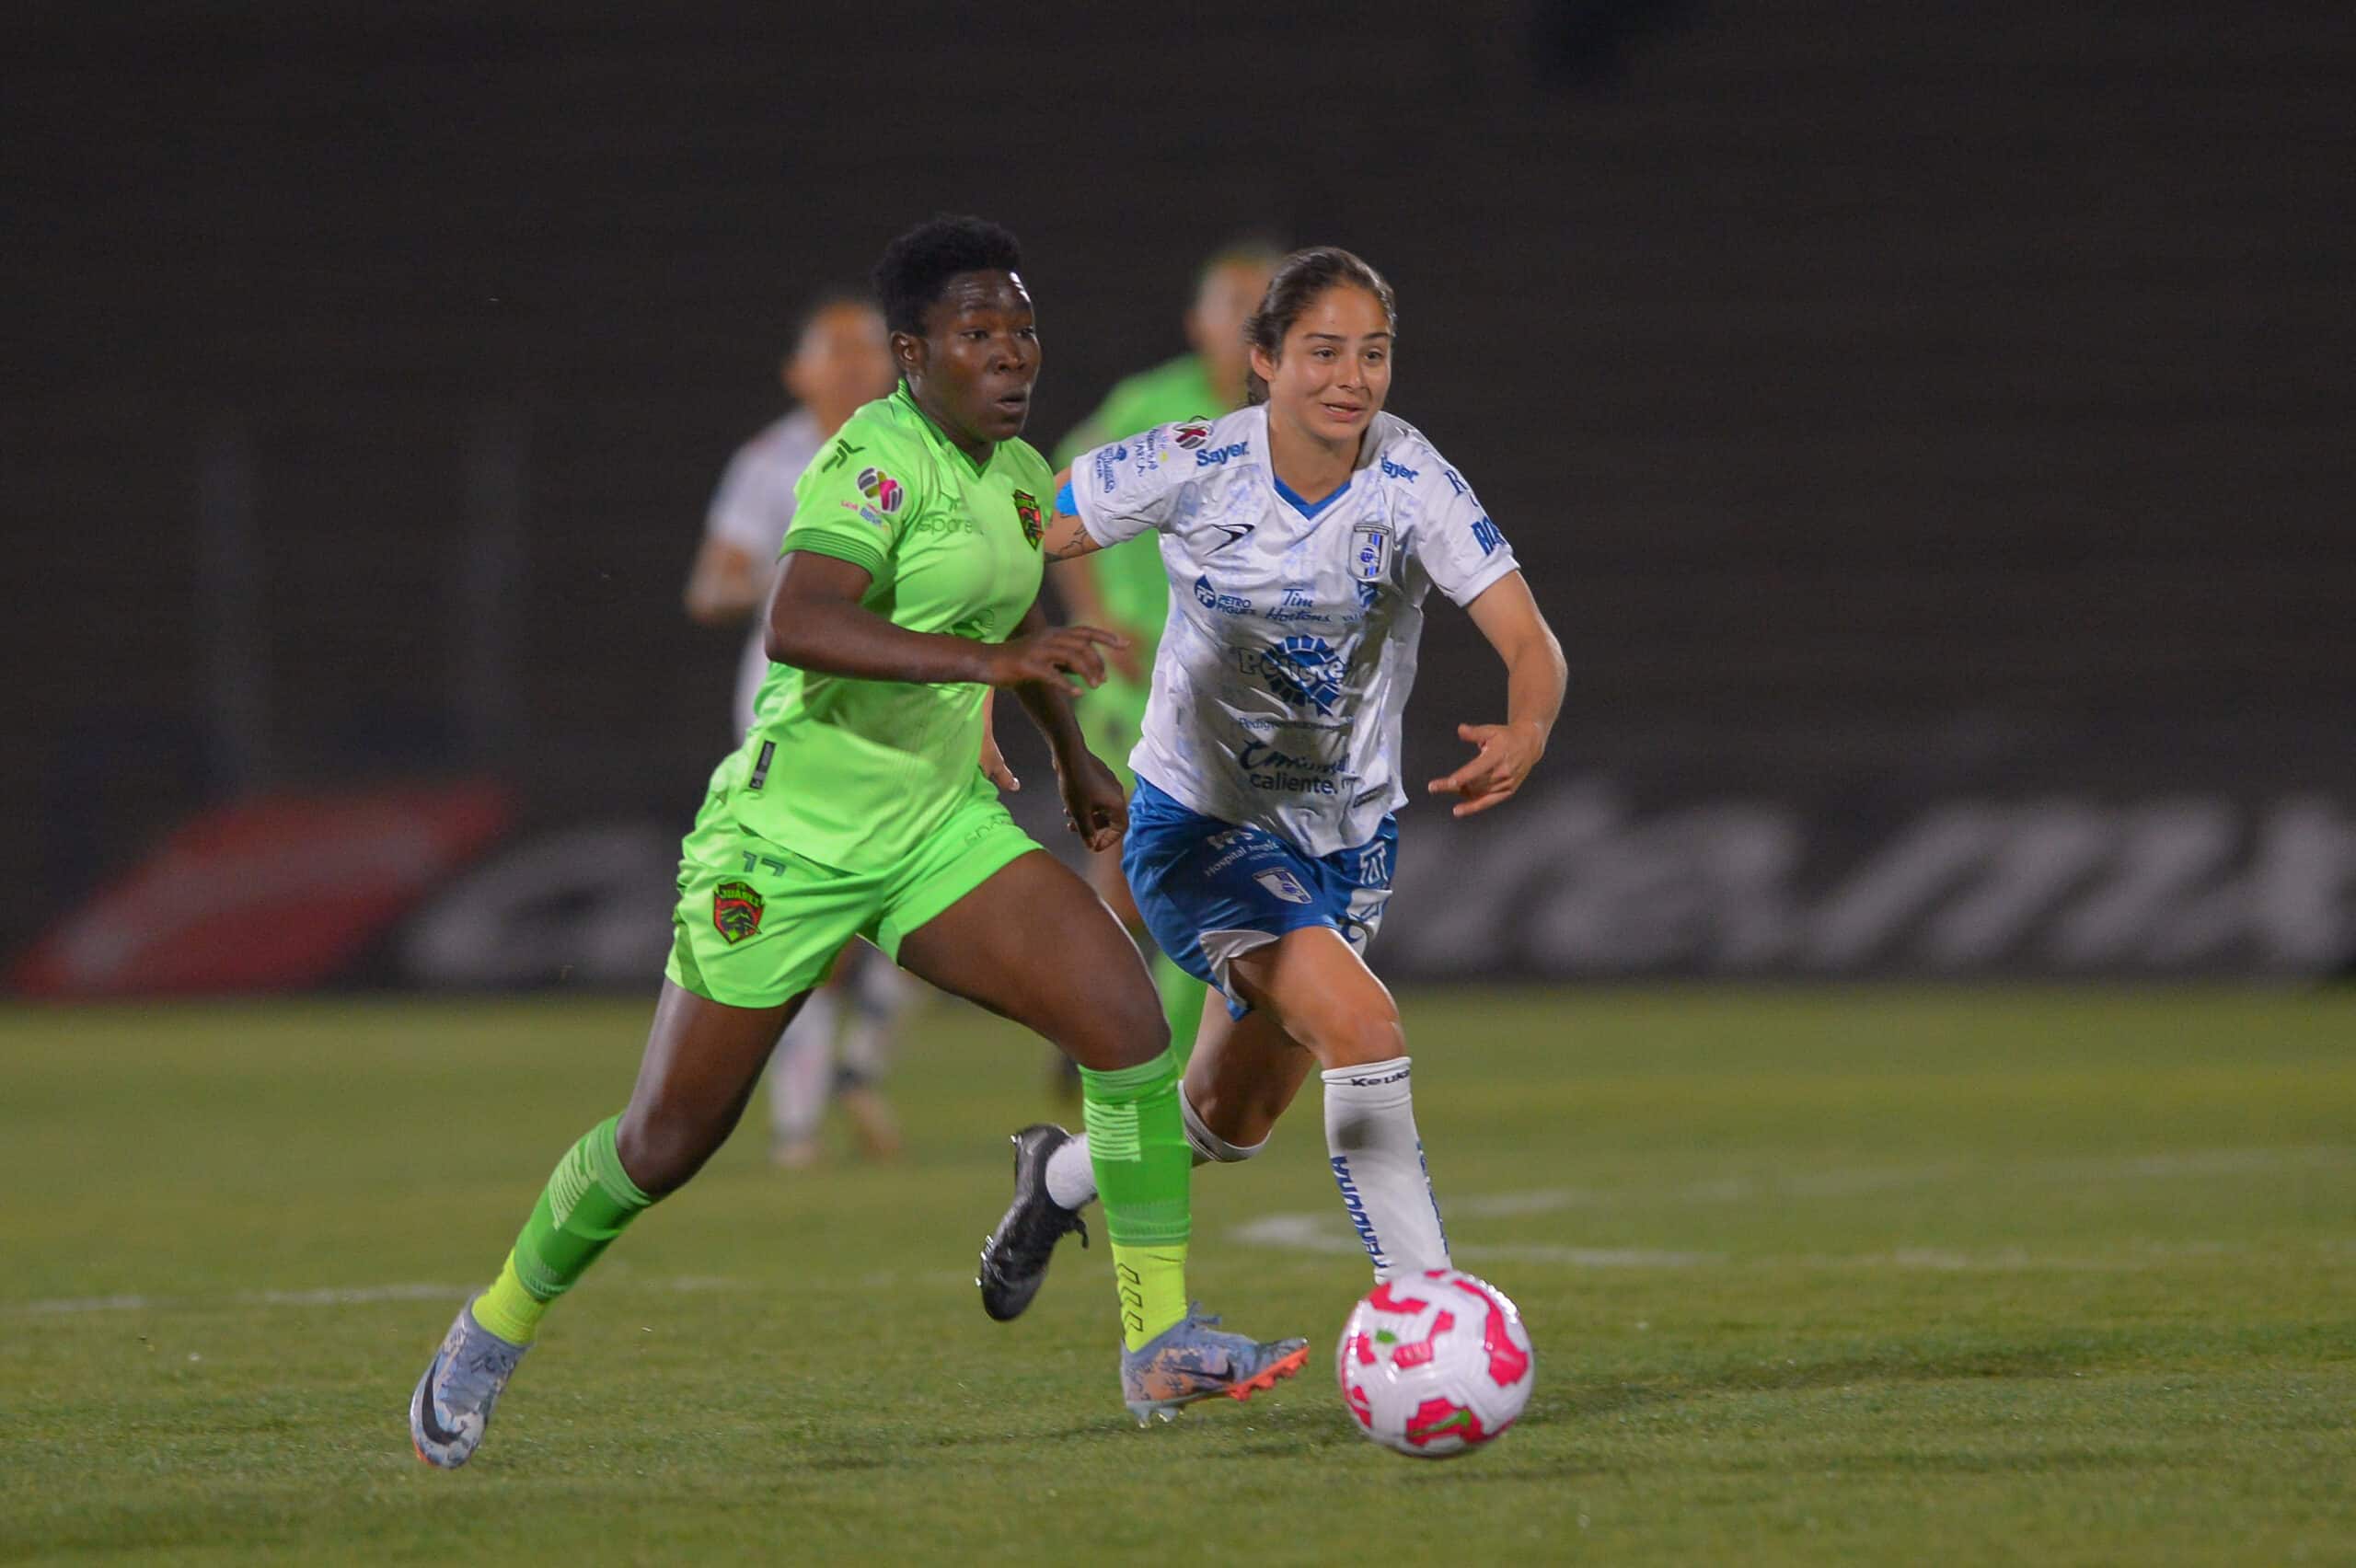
(1104, 879)
(1033, 944)
(1242, 1074)
(1315, 984)
(702, 1063)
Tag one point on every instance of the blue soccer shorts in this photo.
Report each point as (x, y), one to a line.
(1210, 891)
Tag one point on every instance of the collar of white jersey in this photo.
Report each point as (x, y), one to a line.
(1370, 447)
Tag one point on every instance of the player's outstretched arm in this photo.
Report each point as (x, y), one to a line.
(1535, 677)
(1094, 804)
(816, 622)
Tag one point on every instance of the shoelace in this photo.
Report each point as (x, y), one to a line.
(479, 1369)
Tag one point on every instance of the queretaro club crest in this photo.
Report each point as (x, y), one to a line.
(736, 909)
(1035, 526)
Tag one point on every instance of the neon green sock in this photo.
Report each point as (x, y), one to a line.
(588, 1201)
(1137, 1144)
(1181, 1002)
(1152, 1283)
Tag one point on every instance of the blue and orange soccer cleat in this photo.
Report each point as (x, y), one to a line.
(452, 1405)
(1191, 1360)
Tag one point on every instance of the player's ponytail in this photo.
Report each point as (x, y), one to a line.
(1300, 278)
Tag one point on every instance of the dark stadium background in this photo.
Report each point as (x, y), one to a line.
(1929, 429)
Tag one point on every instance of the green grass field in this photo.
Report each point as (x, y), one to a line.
(1814, 1276)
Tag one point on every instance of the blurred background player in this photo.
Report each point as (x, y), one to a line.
(1125, 588)
(839, 361)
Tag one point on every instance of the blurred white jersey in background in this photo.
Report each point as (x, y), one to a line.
(751, 511)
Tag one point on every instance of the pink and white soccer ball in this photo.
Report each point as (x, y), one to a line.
(1435, 1364)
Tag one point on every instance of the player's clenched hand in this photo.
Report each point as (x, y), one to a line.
(1065, 651)
(1507, 753)
(1094, 805)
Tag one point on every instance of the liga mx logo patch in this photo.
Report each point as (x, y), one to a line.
(1034, 527)
(736, 910)
(882, 489)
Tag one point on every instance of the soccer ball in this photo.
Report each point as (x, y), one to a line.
(1435, 1364)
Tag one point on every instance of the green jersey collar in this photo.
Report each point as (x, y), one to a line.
(905, 399)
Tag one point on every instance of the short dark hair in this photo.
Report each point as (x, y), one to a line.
(917, 266)
(1300, 278)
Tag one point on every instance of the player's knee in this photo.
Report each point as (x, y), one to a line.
(660, 1152)
(1225, 1129)
(1361, 1036)
(1115, 1043)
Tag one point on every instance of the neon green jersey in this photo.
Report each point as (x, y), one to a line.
(1129, 575)
(853, 774)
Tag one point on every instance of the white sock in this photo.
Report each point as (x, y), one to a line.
(800, 1067)
(1071, 1181)
(1378, 1164)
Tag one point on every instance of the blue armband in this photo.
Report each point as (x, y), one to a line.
(1064, 501)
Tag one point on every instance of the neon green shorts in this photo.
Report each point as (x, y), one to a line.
(1111, 718)
(757, 925)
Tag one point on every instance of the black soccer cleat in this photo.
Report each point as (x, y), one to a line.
(1014, 1259)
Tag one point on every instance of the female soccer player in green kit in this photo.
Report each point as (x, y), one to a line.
(856, 807)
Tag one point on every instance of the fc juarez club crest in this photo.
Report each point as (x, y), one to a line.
(1034, 527)
(736, 909)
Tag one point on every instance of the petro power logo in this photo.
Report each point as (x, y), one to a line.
(1210, 598)
(1191, 434)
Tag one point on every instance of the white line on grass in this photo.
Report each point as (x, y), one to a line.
(360, 1295)
(1862, 1180)
(355, 1297)
(1322, 1232)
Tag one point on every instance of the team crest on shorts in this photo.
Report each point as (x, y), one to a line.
(1284, 884)
(1191, 434)
(1034, 527)
(882, 489)
(736, 909)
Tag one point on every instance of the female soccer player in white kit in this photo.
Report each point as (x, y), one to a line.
(1302, 535)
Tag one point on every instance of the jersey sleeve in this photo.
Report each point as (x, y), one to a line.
(1129, 487)
(854, 499)
(744, 509)
(1457, 545)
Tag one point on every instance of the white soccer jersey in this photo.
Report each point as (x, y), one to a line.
(751, 511)
(1290, 647)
